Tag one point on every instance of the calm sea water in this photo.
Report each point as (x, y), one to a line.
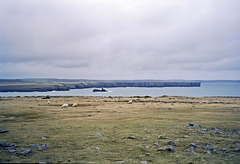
(206, 89)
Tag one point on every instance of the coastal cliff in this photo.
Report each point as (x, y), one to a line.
(23, 86)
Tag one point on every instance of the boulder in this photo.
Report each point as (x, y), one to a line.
(3, 131)
(26, 151)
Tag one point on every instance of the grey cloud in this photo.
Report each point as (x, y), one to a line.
(120, 39)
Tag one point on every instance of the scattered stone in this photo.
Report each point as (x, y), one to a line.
(171, 142)
(122, 161)
(232, 156)
(35, 145)
(90, 147)
(97, 148)
(194, 145)
(26, 151)
(234, 132)
(98, 135)
(236, 149)
(224, 150)
(167, 148)
(204, 131)
(225, 136)
(40, 147)
(143, 162)
(7, 145)
(209, 148)
(191, 149)
(162, 137)
(44, 138)
(186, 136)
(199, 126)
(131, 137)
(13, 151)
(156, 145)
(3, 131)
(190, 124)
(43, 147)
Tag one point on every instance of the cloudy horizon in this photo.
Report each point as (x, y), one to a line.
(127, 39)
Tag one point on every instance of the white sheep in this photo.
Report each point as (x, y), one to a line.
(130, 102)
(48, 102)
(74, 105)
(64, 105)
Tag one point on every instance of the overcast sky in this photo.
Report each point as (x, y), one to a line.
(120, 39)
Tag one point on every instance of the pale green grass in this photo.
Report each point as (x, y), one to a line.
(71, 132)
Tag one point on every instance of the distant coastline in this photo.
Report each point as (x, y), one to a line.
(44, 85)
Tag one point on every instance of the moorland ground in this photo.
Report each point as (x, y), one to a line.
(109, 130)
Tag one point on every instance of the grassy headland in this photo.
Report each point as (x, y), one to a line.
(109, 130)
(43, 85)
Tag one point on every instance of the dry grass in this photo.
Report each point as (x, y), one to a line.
(71, 132)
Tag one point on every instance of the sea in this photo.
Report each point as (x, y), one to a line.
(207, 89)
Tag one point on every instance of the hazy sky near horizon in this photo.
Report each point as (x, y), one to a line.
(120, 39)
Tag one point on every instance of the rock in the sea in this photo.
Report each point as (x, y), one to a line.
(3, 131)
